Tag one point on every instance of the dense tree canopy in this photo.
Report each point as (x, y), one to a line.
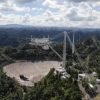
(53, 87)
(9, 88)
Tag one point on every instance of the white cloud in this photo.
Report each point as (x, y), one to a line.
(51, 12)
(77, 1)
(10, 6)
(3, 0)
(23, 1)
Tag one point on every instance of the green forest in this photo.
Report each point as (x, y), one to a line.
(51, 87)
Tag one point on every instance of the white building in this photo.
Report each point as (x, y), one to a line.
(94, 74)
(63, 72)
(98, 81)
(83, 76)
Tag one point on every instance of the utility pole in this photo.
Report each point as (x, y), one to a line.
(64, 50)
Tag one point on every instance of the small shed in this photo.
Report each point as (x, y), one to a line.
(82, 76)
(98, 81)
(94, 74)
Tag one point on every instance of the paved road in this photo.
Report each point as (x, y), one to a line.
(98, 88)
(86, 96)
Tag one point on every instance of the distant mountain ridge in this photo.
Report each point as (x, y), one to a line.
(30, 26)
(15, 34)
(14, 26)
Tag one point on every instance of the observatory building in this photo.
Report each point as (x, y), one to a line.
(39, 41)
(44, 42)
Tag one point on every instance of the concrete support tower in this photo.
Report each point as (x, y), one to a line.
(64, 50)
(73, 45)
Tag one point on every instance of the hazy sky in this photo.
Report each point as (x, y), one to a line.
(69, 13)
